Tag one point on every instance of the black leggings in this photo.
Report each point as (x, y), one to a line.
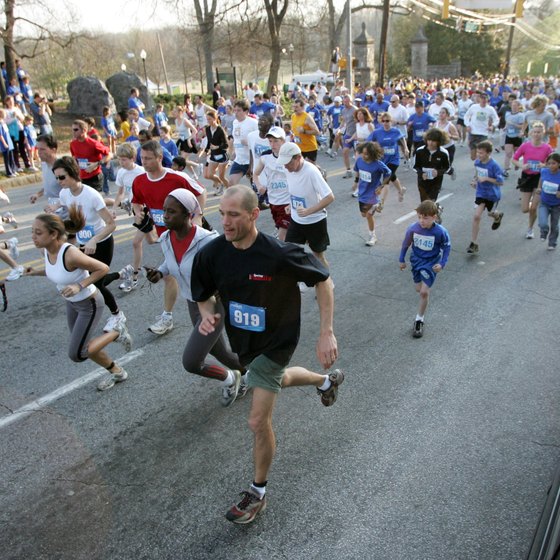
(19, 150)
(199, 346)
(104, 253)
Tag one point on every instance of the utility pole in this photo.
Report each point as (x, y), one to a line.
(163, 66)
(349, 77)
(518, 14)
(383, 43)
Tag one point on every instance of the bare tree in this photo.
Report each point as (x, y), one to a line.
(275, 10)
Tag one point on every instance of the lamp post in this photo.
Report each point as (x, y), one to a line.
(291, 49)
(143, 56)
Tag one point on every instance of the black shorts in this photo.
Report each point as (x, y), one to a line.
(310, 156)
(188, 146)
(528, 182)
(364, 208)
(95, 182)
(475, 139)
(516, 141)
(316, 235)
(220, 157)
(490, 204)
(393, 167)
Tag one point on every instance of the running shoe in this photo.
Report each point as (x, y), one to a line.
(124, 337)
(247, 508)
(126, 205)
(12, 245)
(162, 325)
(372, 240)
(328, 397)
(379, 206)
(530, 234)
(402, 193)
(355, 193)
(418, 330)
(9, 218)
(333, 154)
(111, 378)
(506, 173)
(551, 247)
(243, 388)
(127, 275)
(113, 321)
(473, 248)
(497, 221)
(453, 174)
(230, 392)
(347, 174)
(15, 273)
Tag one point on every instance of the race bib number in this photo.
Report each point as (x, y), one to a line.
(297, 140)
(534, 165)
(157, 216)
(511, 131)
(365, 176)
(424, 242)
(278, 186)
(389, 151)
(482, 172)
(298, 202)
(247, 317)
(85, 235)
(83, 163)
(430, 173)
(418, 133)
(549, 188)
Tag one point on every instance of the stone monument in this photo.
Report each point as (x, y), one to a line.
(419, 55)
(121, 83)
(88, 96)
(364, 52)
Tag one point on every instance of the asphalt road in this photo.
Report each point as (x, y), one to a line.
(438, 448)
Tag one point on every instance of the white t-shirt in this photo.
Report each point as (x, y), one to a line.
(143, 124)
(479, 119)
(90, 202)
(399, 115)
(125, 177)
(257, 146)
(434, 109)
(274, 178)
(240, 131)
(307, 188)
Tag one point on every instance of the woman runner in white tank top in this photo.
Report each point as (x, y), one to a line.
(74, 274)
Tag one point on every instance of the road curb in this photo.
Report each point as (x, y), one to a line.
(21, 180)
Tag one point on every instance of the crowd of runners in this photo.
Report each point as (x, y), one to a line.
(242, 288)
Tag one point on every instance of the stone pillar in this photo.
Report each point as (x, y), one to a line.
(364, 52)
(419, 52)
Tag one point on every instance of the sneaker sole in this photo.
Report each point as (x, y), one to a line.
(160, 332)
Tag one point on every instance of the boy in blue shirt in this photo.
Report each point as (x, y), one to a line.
(549, 189)
(488, 180)
(430, 250)
(419, 123)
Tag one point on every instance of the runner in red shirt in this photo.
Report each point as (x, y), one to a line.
(150, 191)
(89, 154)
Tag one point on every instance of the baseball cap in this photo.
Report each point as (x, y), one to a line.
(337, 99)
(276, 132)
(287, 152)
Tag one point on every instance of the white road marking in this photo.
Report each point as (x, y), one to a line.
(44, 401)
(413, 214)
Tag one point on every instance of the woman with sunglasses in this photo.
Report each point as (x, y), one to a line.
(389, 137)
(95, 239)
(75, 275)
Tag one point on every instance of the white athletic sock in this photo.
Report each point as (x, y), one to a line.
(260, 490)
(167, 314)
(420, 318)
(326, 384)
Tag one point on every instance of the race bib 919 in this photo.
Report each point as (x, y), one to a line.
(247, 317)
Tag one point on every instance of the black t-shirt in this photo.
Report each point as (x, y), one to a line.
(258, 287)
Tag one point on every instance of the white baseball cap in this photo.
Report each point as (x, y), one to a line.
(287, 152)
(276, 132)
(337, 99)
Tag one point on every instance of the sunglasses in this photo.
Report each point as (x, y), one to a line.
(61, 177)
(76, 129)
